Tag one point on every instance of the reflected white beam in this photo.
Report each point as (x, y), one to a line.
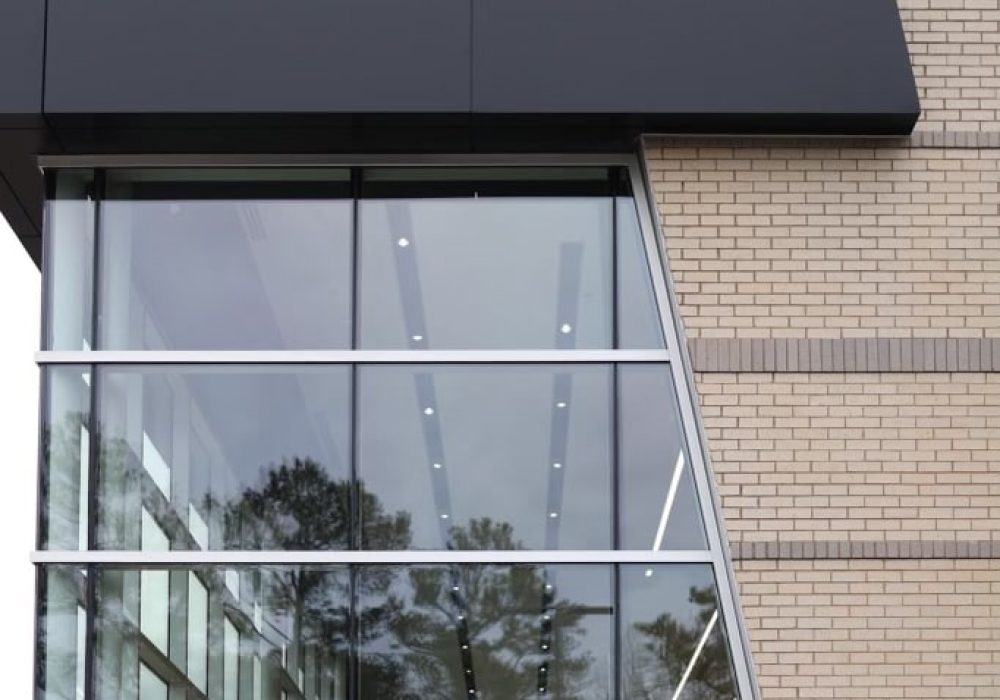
(668, 504)
(696, 654)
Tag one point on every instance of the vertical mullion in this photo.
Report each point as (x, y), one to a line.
(615, 452)
(90, 645)
(354, 517)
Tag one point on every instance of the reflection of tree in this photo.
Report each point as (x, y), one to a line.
(432, 611)
(662, 649)
(299, 507)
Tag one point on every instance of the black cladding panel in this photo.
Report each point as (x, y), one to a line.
(22, 41)
(691, 56)
(245, 56)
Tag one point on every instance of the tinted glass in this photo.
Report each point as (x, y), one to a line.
(62, 633)
(281, 631)
(209, 259)
(65, 457)
(69, 260)
(659, 503)
(673, 641)
(489, 632)
(499, 258)
(638, 323)
(224, 457)
(485, 456)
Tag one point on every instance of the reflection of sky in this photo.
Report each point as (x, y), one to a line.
(243, 421)
(496, 426)
(488, 271)
(244, 275)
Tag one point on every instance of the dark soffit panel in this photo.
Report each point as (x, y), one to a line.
(272, 56)
(709, 57)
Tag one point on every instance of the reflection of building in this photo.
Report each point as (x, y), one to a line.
(324, 425)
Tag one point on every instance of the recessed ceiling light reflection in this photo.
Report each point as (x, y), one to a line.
(649, 573)
(428, 411)
(403, 242)
(444, 516)
(565, 329)
(548, 586)
(417, 338)
(545, 647)
(438, 465)
(465, 646)
(454, 588)
(561, 404)
(557, 465)
(553, 515)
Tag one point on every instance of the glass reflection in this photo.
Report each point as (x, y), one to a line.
(224, 457)
(69, 260)
(501, 258)
(673, 638)
(486, 632)
(281, 631)
(62, 634)
(65, 448)
(488, 456)
(659, 504)
(226, 259)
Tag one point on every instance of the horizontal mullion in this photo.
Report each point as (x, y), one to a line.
(231, 558)
(86, 357)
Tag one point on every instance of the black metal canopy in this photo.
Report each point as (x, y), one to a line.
(255, 76)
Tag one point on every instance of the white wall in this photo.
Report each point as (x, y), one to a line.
(19, 314)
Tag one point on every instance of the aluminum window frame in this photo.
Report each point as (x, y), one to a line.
(674, 354)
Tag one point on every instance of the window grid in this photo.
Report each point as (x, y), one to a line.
(673, 355)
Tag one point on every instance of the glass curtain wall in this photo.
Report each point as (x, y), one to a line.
(402, 369)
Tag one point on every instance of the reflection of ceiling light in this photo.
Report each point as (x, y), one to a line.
(418, 338)
(444, 516)
(437, 465)
(428, 411)
(548, 586)
(461, 617)
(649, 573)
(469, 670)
(542, 669)
(565, 329)
(403, 242)
(557, 465)
(553, 515)
(561, 404)
(545, 647)
(465, 646)
(454, 588)
(546, 618)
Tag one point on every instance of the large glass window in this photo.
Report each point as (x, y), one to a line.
(219, 457)
(370, 433)
(213, 259)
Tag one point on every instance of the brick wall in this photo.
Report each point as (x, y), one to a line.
(856, 457)
(955, 51)
(874, 629)
(822, 242)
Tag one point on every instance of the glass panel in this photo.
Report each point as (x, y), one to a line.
(639, 325)
(151, 686)
(197, 633)
(69, 260)
(672, 634)
(659, 503)
(284, 616)
(232, 457)
(62, 627)
(226, 259)
(503, 258)
(485, 456)
(490, 632)
(65, 457)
